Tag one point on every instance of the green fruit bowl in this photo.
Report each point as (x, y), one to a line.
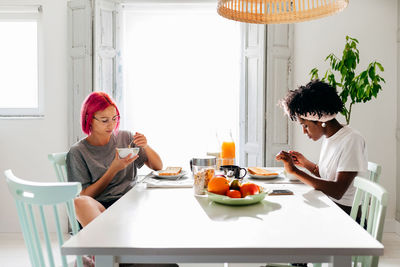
(248, 200)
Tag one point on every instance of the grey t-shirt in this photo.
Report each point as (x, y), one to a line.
(87, 163)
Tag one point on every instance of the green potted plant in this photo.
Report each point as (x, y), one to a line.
(358, 88)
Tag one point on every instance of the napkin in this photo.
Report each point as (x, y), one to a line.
(180, 182)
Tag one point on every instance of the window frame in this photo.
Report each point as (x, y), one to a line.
(272, 48)
(27, 13)
(143, 6)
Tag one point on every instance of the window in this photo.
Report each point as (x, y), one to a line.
(181, 78)
(21, 92)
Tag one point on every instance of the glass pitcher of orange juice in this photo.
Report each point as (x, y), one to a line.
(227, 148)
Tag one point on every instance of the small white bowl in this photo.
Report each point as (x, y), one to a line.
(123, 152)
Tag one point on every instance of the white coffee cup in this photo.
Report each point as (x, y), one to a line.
(123, 152)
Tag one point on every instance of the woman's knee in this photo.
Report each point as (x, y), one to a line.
(86, 202)
(82, 202)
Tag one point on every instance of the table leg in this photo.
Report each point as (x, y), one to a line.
(104, 261)
(341, 261)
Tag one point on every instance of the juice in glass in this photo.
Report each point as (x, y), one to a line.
(228, 153)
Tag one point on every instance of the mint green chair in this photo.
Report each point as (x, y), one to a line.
(374, 171)
(372, 199)
(60, 166)
(32, 198)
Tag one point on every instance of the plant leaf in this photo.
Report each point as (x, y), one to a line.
(314, 73)
(371, 71)
(380, 66)
(361, 87)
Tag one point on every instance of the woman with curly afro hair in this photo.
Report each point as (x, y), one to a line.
(343, 153)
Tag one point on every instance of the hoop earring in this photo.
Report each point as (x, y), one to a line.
(323, 124)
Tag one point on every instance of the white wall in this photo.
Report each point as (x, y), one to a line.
(374, 24)
(25, 143)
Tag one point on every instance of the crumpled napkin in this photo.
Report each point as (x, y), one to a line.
(180, 182)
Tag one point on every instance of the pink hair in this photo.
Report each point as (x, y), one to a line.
(94, 102)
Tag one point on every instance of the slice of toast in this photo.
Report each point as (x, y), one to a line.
(260, 171)
(170, 171)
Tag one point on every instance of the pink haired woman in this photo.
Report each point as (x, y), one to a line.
(94, 160)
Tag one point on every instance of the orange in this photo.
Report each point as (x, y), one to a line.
(218, 185)
(234, 194)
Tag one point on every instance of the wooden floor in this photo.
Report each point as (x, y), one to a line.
(14, 254)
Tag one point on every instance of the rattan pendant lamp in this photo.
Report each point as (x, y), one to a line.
(278, 11)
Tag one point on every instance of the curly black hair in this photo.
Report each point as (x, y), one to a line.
(315, 98)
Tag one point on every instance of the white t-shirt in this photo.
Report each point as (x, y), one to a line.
(345, 151)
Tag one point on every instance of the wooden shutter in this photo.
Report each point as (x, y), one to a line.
(279, 79)
(80, 62)
(266, 77)
(107, 71)
(252, 122)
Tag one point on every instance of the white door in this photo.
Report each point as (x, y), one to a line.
(266, 77)
(106, 67)
(80, 62)
(278, 81)
(252, 98)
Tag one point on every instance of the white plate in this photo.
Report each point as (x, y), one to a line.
(182, 173)
(264, 176)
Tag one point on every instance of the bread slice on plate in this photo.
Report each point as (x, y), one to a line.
(260, 171)
(170, 171)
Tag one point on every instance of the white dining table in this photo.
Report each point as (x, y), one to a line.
(172, 225)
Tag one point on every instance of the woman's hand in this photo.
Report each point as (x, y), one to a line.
(303, 162)
(287, 159)
(153, 159)
(140, 140)
(119, 164)
(298, 158)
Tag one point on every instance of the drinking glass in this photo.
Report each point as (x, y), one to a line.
(227, 147)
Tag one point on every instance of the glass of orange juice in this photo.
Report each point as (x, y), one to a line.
(227, 148)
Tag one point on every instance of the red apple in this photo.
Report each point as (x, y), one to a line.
(249, 189)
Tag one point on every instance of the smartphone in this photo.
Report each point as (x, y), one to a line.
(277, 192)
